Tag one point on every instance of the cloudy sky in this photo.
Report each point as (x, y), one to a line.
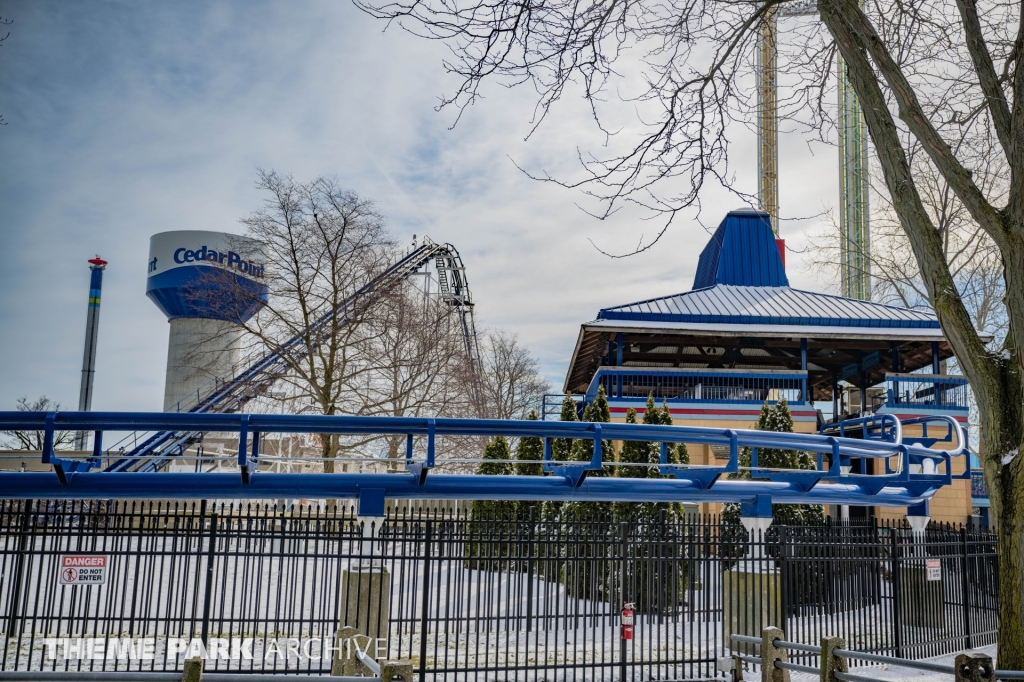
(125, 119)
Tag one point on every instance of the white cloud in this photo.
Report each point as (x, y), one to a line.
(130, 119)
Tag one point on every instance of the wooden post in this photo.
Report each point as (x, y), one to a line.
(193, 671)
(974, 667)
(830, 663)
(771, 653)
(392, 671)
(345, 661)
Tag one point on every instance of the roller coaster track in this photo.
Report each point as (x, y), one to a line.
(256, 379)
(907, 472)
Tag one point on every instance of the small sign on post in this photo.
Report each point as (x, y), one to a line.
(83, 569)
(934, 568)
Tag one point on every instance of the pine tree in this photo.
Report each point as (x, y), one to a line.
(647, 452)
(531, 449)
(583, 451)
(582, 576)
(678, 454)
(561, 451)
(777, 418)
(657, 577)
(492, 520)
(561, 448)
(633, 452)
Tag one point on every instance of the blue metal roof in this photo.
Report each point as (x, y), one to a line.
(743, 252)
(780, 305)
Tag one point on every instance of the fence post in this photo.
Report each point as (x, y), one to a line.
(208, 597)
(737, 668)
(784, 576)
(425, 601)
(529, 569)
(965, 583)
(392, 671)
(623, 548)
(897, 596)
(973, 667)
(18, 578)
(830, 663)
(771, 653)
(193, 670)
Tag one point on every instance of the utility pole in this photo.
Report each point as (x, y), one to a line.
(92, 326)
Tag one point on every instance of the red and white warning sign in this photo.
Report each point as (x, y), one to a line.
(934, 568)
(83, 569)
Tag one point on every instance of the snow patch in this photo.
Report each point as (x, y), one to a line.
(1008, 457)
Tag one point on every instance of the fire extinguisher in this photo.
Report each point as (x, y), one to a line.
(627, 620)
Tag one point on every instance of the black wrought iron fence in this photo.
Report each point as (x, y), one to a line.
(531, 597)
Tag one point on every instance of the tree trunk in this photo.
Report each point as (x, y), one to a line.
(994, 378)
(1010, 637)
(999, 408)
(328, 452)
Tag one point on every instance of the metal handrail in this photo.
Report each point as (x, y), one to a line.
(850, 677)
(796, 666)
(749, 640)
(861, 656)
(809, 648)
(891, 660)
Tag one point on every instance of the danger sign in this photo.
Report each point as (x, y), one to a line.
(934, 567)
(83, 569)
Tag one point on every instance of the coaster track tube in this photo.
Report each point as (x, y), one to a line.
(134, 485)
(694, 483)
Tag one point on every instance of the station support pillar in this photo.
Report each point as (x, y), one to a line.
(365, 590)
(920, 587)
(752, 589)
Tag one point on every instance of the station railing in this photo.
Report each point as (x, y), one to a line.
(927, 391)
(700, 386)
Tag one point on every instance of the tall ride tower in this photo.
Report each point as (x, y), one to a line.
(854, 222)
(92, 328)
(855, 237)
(768, 118)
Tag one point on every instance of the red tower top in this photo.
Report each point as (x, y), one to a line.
(97, 262)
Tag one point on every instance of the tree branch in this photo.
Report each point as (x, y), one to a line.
(987, 76)
(855, 23)
(924, 238)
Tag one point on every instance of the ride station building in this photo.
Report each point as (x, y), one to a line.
(743, 336)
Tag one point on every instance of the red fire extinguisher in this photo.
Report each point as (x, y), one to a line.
(627, 620)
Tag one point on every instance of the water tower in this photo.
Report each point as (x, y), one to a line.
(207, 283)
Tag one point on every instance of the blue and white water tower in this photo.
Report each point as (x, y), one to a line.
(207, 283)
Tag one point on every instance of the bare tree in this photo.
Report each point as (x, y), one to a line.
(416, 362)
(324, 243)
(973, 257)
(4, 22)
(33, 440)
(350, 346)
(512, 383)
(923, 72)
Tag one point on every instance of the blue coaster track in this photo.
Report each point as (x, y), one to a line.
(911, 474)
